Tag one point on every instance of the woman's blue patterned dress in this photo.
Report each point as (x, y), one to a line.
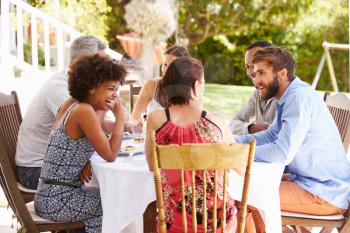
(65, 158)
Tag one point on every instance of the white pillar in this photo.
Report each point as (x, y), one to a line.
(6, 69)
(147, 60)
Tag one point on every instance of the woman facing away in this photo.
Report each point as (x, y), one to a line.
(147, 97)
(77, 133)
(183, 121)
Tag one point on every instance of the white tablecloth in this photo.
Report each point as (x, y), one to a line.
(126, 190)
(263, 192)
(127, 187)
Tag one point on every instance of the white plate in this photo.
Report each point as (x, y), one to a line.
(136, 148)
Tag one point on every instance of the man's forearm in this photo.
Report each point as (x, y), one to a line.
(254, 128)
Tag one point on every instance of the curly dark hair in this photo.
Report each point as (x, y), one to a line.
(89, 71)
(179, 79)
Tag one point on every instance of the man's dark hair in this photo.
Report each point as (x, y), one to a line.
(259, 43)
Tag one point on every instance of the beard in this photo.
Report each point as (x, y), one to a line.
(272, 88)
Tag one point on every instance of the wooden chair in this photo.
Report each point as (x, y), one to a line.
(339, 106)
(202, 157)
(10, 120)
(25, 212)
(133, 92)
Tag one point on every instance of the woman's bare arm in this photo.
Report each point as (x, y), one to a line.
(145, 97)
(154, 121)
(223, 125)
(90, 125)
(227, 135)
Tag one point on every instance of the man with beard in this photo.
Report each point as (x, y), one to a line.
(257, 114)
(303, 136)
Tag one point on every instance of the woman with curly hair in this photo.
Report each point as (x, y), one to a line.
(147, 97)
(77, 133)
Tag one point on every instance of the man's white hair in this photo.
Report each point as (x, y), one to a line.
(85, 45)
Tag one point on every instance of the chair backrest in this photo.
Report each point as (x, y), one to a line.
(134, 90)
(202, 157)
(10, 120)
(339, 106)
(17, 201)
(13, 195)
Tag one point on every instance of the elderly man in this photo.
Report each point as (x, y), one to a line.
(303, 136)
(37, 123)
(257, 114)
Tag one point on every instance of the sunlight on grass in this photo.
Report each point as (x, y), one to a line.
(225, 100)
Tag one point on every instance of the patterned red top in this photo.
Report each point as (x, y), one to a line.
(203, 131)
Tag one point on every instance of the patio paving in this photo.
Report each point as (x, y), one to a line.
(7, 223)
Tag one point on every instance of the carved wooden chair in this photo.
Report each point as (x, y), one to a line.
(202, 157)
(339, 106)
(10, 120)
(25, 212)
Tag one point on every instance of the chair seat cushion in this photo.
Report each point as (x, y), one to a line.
(36, 218)
(24, 189)
(39, 220)
(309, 216)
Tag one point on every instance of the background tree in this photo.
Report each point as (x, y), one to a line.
(199, 20)
(218, 31)
(116, 22)
(87, 16)
(301, 30)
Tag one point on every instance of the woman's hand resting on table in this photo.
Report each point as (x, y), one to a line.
(86, 173)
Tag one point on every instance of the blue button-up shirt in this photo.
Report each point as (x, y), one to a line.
(305, 137)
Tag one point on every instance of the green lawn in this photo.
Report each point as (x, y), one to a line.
(225, 100)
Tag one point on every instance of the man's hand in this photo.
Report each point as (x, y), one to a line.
(254, 128)
(86, 173)
(285, 177)
(133, 126)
